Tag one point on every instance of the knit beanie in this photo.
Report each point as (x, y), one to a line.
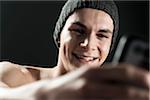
(70, 6)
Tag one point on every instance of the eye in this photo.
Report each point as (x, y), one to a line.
(78, 32)
(102, 36)
(104, 33)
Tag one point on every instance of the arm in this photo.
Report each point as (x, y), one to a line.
(116, 83)
(122, 82)
(36, 90)
(11, 77)
(2, 84)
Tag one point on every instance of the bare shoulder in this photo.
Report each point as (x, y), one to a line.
(4, 63)
(7, 66)
(14, 75)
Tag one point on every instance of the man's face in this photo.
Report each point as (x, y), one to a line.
(86, 39)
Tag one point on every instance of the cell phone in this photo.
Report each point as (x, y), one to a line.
(133, 50)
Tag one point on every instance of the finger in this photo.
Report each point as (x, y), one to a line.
(127, 75)
(102, 91)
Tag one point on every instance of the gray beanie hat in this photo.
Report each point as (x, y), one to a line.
(70, 6)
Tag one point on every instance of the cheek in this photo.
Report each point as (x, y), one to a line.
(105, 48)
(64, 42)
(65, 38)
(67, 45)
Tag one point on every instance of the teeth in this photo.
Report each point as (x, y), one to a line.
(86, 58)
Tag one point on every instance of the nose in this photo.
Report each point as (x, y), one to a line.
(88, 43)
(84, 43)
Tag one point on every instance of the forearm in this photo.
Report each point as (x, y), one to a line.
(2, 84)
(25, 92)
(33, 90)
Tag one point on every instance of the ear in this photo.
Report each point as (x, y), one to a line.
(58, 43)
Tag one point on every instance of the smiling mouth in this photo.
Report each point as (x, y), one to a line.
(84, 58)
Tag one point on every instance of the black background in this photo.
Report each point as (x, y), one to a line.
(27, 28)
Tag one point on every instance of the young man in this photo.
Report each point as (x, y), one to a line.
(85, 33)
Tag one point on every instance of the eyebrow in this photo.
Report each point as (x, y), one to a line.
(105, 31)
(101, 30)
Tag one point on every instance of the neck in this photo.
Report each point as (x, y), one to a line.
(59, 69)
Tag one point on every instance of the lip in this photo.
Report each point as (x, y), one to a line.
(84, 58)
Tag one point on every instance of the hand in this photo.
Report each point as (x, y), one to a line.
(122, 82)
